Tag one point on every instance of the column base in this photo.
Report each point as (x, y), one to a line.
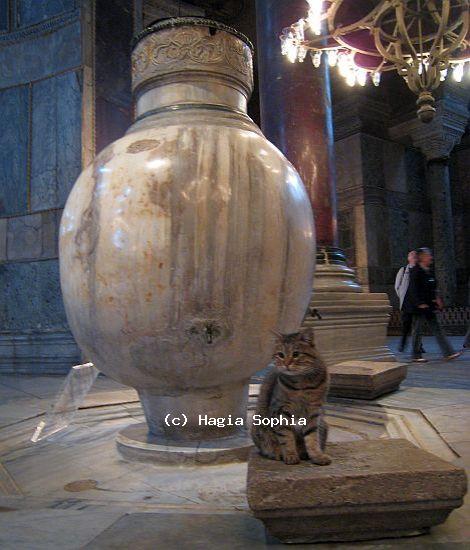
(352, 328)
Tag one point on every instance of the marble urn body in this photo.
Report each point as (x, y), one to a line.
(190, 239)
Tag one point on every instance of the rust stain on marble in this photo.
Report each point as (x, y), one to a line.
(143, 145)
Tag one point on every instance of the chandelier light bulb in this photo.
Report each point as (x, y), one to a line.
(332, 58)
(316, 58)
(343, 65)
(302, 53)
(457, 73)
(351, 78)
(361, 77)
(292, 52)
(376, 78)
(443, 75)
(314, 16)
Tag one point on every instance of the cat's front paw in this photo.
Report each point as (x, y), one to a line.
(321, 460)
(291, 458)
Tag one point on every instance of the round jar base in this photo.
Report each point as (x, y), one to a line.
(136, 443)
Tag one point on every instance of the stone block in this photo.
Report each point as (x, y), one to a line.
(13, 150)
(366, 379)
(56, 141)
(371, 490)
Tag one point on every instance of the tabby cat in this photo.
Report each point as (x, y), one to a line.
(297, 386)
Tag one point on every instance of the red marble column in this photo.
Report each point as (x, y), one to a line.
(296, 111)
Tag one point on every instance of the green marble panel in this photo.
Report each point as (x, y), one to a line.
(13, 150)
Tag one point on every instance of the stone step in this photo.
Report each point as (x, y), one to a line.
(356, 296)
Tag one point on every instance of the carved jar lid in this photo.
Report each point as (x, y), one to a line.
(173, 47)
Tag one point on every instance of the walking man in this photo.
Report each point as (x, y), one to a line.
(466, 342)
(423, 296)
(402, 282)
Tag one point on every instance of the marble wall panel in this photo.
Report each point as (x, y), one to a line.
(460, 185)
(372, 154)
(30, 12)
(157, 9)
(14, 117)
(50, 233)
(378, 236)
(38, 57)
(24, 238)
(394, 166)
(3, 16)
(420, 224)
(348, 163)
(3, 239)
(32, 237)
(415, 171)
(56, 139)
(31, 297)
(113, 97)
(346, 233)
(399, 237)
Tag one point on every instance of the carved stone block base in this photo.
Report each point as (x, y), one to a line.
(371, 490)
(366, 379)
(353, 326)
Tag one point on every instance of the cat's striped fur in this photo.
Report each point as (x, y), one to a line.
(297, 386)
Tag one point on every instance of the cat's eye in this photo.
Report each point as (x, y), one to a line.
(281, 355)
(295, 354)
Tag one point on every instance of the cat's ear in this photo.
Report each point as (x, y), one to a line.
(277, 334)
(308, 335)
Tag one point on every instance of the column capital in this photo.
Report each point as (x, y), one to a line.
(357, 112)
(437, 138)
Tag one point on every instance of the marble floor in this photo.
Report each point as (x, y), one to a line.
(74, 490)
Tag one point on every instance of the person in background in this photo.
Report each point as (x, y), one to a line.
(402, 281)
(466, 342)
(423, 296)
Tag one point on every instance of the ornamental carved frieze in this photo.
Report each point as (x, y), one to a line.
(191, 48)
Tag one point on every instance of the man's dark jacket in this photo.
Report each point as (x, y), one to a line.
(422, 289)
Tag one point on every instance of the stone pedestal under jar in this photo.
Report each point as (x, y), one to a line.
(186, 242)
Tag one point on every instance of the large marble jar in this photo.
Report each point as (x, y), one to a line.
(190, 239)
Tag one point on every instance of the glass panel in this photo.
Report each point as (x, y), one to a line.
(75, 388)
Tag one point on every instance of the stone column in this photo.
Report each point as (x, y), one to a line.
(436, 141)
(296, 116)
(296, 112)
(437, 176)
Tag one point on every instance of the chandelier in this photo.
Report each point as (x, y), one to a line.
(425, 41)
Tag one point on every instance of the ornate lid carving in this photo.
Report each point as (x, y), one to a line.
(192, 44)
